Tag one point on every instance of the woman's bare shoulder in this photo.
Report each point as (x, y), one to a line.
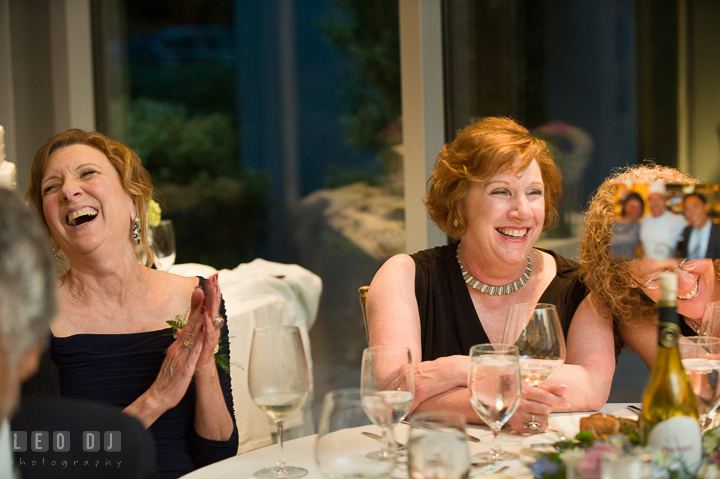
(399, 263)
(169, 279)
(174, 290)
(396, 269)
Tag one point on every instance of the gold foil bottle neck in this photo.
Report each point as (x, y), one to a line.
(668, 289)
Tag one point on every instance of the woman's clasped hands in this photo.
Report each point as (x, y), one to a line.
(191, 354)
(212, 325)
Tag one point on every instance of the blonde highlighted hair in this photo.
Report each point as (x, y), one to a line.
(134, 177)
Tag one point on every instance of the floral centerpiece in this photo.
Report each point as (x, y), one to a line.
(601, 434)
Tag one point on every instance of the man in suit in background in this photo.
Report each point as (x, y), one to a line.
(27, 305)
(701, 238)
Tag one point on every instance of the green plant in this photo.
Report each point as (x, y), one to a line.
(367, 33)
(220, 213)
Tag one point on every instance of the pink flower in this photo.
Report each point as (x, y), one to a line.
(589, 464)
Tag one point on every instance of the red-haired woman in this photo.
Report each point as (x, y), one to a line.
(496, 189)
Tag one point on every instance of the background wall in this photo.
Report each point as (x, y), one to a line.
(704, 90)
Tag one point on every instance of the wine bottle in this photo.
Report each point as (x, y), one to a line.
(669, 418)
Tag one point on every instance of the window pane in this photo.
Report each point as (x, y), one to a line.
(271, 129)
(565, 70)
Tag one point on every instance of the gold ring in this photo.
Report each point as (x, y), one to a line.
(218, 322)
(188, 344)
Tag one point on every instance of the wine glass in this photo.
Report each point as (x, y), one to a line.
(278, 382)
(341, 450)
(438, 446)
(163, 244)
(701, 360)
(710, 325)
(387, 372)
(536, 331)
(494, 385)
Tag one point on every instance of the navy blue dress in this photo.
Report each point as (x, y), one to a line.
(116, 369)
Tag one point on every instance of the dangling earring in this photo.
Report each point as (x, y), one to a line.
(136, 230)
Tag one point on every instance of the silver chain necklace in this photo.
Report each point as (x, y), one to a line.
(494, 290)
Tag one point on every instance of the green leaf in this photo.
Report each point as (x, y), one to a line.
(223, 361)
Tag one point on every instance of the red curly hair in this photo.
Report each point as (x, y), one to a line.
(480, 151)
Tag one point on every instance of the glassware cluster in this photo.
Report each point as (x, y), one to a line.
(356, 431)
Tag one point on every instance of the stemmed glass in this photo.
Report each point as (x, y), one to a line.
(701, 360)
(536, 331)
(438, 446)
(710, 325)
(494, 385)
(163, 244)
(341, 451)
(278, 382)
(387, 372)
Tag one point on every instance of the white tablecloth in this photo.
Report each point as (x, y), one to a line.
(299, 452)
(256, 294)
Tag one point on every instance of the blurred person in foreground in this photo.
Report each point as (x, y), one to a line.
(27, 305)
(111, 340)
(496, 189)
(628, 290)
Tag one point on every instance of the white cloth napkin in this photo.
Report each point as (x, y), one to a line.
(262, 293)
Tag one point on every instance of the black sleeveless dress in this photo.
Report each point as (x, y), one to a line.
(116, 369)
(450, 325)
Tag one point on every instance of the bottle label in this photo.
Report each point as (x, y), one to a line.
(680, 437)
(669, 334)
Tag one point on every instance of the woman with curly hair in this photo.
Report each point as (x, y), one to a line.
(496, 189)
(628, 290)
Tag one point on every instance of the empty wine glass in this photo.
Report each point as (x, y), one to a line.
(701, 361)
(494, 385)
(341, 450)
(278, 382)
(438, 446)
(536, 331)
(710, 325)
(387, 372)
(163, 244)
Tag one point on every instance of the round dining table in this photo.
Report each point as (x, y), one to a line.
(300, 452)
